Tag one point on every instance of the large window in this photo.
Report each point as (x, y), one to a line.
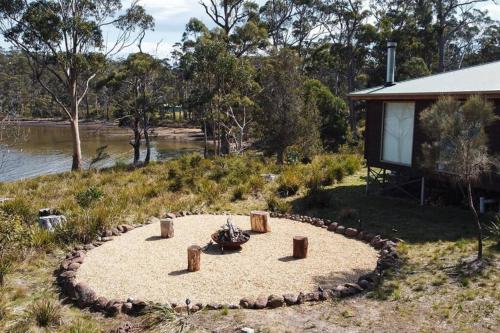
(397, 136)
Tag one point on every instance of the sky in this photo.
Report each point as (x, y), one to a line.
(171, 17)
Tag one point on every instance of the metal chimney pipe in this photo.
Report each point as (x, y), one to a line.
(391, 63)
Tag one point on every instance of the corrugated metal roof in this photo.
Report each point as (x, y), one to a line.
(477, 79)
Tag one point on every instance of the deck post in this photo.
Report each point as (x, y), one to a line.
(422, 192)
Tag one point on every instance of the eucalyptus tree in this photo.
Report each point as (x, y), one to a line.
(63, 40)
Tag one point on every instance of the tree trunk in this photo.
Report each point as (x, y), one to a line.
(300, 245)
(137, 141)
(194, 256)
(75, 130)
(205, 139)
(280, 156)
(259, 221)
(77, 149)
(167, 228)
(146, 138)
(478, 223)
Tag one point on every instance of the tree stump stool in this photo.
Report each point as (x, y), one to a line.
(167, 228)
(300, 244)
(194, 255)
(260, 221)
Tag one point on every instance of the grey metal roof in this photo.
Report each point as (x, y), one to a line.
(477, 79)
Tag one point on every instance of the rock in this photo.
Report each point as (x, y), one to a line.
(127, 307)
(138, 306)
(351, 232)
(69, 288)
(88, 247)
(360, 235)
(115, 232)
(85, 295)
(120, 229)
(107, 233)
(312, 297)
(51, 221)
(319, 223)
(78, 247)
(73, 266)
(44, 212)
(340, 229)
(128, 227)
(370, 277)
(366, 284)
(247, 330)
(290, 299)
(353, 285)
(195, 308)
(152, 219)
(113, 308)
(275, 301)
(368, 237)
(214, 306)
(67, 275)
(247, 303)
(181, 309)
(106, 239)
(171, 215)
(261, 302)
(101, 303)
(332, 226)
(301, 298)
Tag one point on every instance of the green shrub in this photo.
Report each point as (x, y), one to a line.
(275, 204)
(4, 307)
(321, 198)
(21, 208)
(351, 163)
(289, 182)
(315, 178)
(45, 313)
(240, 192)
(348, 214)
(209, 190)
(256, 183)
(89, 196)
(42, 239)
(14, 236)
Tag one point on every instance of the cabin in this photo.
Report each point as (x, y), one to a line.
(393, 134)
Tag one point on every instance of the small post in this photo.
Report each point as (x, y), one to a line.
(260, 221)
(300, 244)
(167, 228)
(194, 255)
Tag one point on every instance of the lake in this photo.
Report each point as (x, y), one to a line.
(46, 149)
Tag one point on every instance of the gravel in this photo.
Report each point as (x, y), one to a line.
(141, 265)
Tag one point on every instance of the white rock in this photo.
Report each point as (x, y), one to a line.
(51, 221)
(247, 330)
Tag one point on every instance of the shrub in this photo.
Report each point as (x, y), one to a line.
(315, 178)
(19, 207)
(86, 198)
(209, 190)
(275, 204)
(41, 238)
(256, 183)
(45, 313)
(351, 163)
(240, 192)
(321, 198)
(4, 306)
(13, 237)
(289, 182)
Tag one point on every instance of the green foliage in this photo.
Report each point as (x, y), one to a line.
(290, 181)
(89, 196)
(275, 204)
(413, 68)
(14, 236)
(45, 313)
(19, 207)
(84, 326)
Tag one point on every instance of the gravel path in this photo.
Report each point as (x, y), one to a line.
(141, 265)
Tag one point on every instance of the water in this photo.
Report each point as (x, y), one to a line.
(45, 150)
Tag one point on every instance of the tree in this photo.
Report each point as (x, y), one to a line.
(457, 144)
(63, 40)
(286, 119)
(333, 113)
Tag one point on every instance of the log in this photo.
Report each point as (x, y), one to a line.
(167, 228)
(260, 221)
(194, 255)
(300, 244)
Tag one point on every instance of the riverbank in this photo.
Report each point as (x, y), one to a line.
(174, 132)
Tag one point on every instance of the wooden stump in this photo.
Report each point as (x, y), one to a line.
(300, 244)
(260, 221)
(194, 255)
(167, 228)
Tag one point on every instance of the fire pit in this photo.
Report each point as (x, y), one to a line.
(230, 236)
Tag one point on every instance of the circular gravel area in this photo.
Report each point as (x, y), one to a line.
(141, 265)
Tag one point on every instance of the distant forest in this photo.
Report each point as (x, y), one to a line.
(289, 61)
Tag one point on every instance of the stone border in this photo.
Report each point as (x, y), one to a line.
(84, 297)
